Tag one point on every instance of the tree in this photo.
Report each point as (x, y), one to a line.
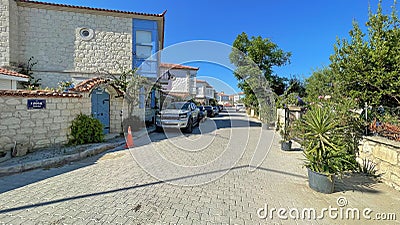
(254, 59)
(292, 94)
(320, 83)
(368, 66)
(295, 85)
(132, 84)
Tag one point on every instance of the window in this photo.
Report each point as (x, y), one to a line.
(144, 44)
(86, 34)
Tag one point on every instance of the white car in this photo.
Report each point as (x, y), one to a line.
(181, 115)
(240, 108)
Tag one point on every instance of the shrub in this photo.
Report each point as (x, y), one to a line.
(86, 129)
(327, 146)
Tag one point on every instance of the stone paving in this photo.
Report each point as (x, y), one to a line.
(188, 179)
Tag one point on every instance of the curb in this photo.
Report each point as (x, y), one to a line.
(57, 160)
(61, 160)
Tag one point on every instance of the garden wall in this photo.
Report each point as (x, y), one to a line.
(294, 113)
(37, 128)
(386, 154)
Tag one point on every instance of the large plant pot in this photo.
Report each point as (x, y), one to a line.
(321, 182)
(286, 145)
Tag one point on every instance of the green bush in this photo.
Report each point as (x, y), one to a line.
(86, 129)
(327, 142)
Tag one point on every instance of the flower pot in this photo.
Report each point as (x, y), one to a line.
(286, 145)
(321, 182)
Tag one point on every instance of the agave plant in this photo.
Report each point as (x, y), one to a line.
(325, 145)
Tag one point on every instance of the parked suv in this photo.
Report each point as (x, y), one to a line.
(182, 115)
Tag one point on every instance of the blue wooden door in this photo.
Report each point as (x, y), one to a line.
(101, 108)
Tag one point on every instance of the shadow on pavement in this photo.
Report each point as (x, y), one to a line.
(139, 186)
(14, 181)
(223, 121)
(296, 150)
(356, 182)
(348, 183)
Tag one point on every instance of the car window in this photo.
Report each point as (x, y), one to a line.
(178, 105)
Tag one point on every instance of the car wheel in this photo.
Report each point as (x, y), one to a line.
(198, 120)
(189, 128)
(159, 129)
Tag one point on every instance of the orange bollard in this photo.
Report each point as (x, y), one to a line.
(129, 139)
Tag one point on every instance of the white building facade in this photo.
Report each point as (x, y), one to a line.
(178, 80)
(205, 92)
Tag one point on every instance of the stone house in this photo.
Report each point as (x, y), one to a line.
(82, 45)
(178, 81)
(78, 44)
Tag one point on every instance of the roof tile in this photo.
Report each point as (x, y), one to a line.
(177, 66)
(38, 93)
(91, 8)
(89, 84)
(12, 73)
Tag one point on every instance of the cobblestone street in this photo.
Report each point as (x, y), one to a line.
(201, 178)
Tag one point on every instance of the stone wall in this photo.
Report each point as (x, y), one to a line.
(4, 32)
(53, 38)
(386, 155)
(116, 105)
(14, 27)
(294, 114)
(33, 129)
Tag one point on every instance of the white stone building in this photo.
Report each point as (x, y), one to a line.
(178, 81)
(73, 43)
(78, 44)
(204, 92)
(237, 97)
(223, 99)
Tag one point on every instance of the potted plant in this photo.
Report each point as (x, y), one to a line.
(326, 148)
(286, 143)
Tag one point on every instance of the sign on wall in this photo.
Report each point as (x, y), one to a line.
(36, 104)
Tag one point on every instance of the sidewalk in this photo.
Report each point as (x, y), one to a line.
(116, 188)
(57, 156)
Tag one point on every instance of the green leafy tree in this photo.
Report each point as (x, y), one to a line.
(295, 85)
(295, 90)
(254, 59)
(132, 84)
(320, 83)
(367, 66)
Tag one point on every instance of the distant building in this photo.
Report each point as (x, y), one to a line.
(204, 92)
(236, 97)
(223, 99)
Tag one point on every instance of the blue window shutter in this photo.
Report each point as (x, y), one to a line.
(147, 66)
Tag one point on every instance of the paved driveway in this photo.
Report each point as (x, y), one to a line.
(201, 178)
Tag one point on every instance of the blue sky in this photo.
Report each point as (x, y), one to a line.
(306, 28)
